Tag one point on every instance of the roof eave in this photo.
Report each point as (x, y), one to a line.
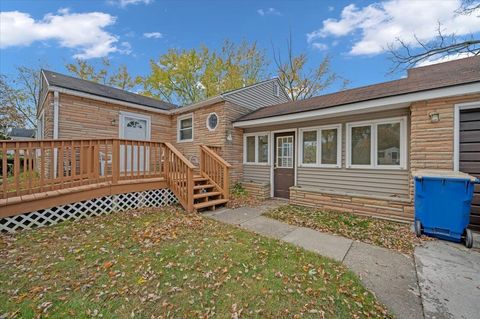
(391, 102)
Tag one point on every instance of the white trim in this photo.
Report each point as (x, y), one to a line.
(256, 135)
(181, 118)
(40, 118)
(373, 143)
(272, 157)
(108, 100)
(195, 106)
(55, 130)
(319, 130)
(121, 125)
(387, 103)
(208, 118)
(456, 130)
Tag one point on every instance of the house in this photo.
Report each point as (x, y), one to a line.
(354, 150)
(17, 133)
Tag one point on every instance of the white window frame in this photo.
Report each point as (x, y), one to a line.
(319, 130)
(373, 143)
(181, 118)
(211, 129)
(123, 115)
(276, 89)
(256, 135)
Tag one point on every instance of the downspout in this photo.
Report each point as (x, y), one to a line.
(55, 131)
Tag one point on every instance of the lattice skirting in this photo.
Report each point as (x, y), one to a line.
(89, 208)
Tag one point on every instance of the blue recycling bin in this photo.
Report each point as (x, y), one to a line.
(442, 205)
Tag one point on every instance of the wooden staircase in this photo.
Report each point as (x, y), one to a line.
(206, 195)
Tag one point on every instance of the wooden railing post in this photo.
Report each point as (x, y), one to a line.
(190, 190)
(226, 182)
(115, 161)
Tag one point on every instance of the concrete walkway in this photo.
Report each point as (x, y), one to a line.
(389, 275)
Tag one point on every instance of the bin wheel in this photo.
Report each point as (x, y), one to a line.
(468, 238)
(418, 228)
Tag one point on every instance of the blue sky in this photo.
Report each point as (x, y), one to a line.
(131, 32)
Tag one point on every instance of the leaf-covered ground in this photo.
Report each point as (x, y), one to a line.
(388, 234)
(162, 263)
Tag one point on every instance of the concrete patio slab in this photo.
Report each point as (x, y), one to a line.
(268, 227)
(335, 247)
(449, 279)
(390, 275)
(236, 216)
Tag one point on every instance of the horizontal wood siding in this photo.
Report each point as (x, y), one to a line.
(256, 173)
(391, 183)
(361, 181)
(257, 96)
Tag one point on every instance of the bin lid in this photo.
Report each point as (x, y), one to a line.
(443, 173)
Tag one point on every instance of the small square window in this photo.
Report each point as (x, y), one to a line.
(185, 128)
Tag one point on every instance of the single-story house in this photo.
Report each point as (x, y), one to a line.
(354, 150)
(17, 133)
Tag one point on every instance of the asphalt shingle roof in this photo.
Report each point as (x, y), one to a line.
(72, 83)
(419, 79)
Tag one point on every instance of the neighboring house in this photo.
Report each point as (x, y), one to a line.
(353, 151)
(21, 134)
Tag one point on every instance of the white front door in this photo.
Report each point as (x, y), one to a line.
(134, 158)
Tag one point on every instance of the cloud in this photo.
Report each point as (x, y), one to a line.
(83, 32)
(153, 35)
(124, 3)
(441, 59)
(377, 25)
(268, 11)
(319, 46)
(331, 8)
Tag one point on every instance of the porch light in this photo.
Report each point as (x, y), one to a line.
(113, 122)
(434, 117)
(229, 136)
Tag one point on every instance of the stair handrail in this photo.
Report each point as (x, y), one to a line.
(178, 172)
(216, 169)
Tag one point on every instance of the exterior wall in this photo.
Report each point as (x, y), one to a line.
(256, 173)
(47, 110)
(86, 118)
(380, 182)
(257, 96)
(389, 208)
(260, 191)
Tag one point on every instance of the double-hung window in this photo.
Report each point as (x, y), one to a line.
(185, 128)
(256, 148)
(377, 144)
(321, 146)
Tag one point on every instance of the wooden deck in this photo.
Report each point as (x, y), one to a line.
(46, 173)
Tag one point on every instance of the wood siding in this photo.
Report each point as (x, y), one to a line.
(257, 96)
(380, 182)
(256, 173)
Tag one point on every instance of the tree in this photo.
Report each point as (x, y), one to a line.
(103, 74)
(300, 82)
(189, 76)
(19, 98)
(406, 55)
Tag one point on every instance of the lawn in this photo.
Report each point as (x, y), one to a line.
(388, 234)
(163, 263)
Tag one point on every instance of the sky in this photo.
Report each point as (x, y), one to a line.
(355, 34)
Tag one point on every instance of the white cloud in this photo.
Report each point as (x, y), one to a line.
(269, 11)
(81, 31)
(380, 24)
(124, 3)
(441, 59)
(319, 46)
(331, 8)
(153, 35)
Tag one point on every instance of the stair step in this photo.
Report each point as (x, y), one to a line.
(210, 203)
(206, 194)
(200, 179)
(203, 186)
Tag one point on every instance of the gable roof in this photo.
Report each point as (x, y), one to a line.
(457, 72)
(68, 82)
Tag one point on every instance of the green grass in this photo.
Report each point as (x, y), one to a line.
(164, 263)
(388, 234)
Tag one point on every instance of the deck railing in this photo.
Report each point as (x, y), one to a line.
(179, 176)
(29, 167)
(215, 168)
